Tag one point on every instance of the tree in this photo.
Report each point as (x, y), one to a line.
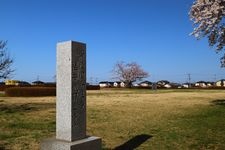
(129, 72)
(5, 61)
(208, 18)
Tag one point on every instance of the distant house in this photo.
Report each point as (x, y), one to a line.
(12, 82)
(105, 84)
(122, 84)
(116, 84)
(209, 84)
(136, 85)
(145, 84)
(23, 83)
(161, 83)
(175, 85)
(186, 85)
(38, 82)
(168, 85)
(201, 84)
(220, 83)
(16, 82)
(164, 83)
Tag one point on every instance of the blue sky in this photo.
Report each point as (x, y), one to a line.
(155, 34)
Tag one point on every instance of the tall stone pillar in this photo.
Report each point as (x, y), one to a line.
(71, 101)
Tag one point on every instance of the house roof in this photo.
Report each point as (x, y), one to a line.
(187, 83)
(163, 82)
(117, 82)
(210, 82)
(103, 82)
(146, 82)
(175, 84)
(201, 82)
(24, 82)
(38, 82)
(221, 80)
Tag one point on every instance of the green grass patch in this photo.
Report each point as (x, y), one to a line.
(201, 129)
(23, 125)
(206, 128)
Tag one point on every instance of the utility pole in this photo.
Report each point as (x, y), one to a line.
(189, 79)
(91, 81)
(214, 77)
(96, 81)
(214, 80)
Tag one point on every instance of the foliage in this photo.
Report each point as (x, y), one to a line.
(129, 72)
(5, 61)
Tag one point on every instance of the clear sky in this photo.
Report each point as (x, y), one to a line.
(153, 33)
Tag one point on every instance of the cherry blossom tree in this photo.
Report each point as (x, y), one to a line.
(208, 18)
(129, 72)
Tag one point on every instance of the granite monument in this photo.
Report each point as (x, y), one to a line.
(71, 101)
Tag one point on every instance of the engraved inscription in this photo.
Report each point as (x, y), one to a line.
(79, 91)
(78, 68)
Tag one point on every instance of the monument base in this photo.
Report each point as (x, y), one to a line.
(89, 143)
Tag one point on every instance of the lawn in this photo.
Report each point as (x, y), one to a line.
(138, 119)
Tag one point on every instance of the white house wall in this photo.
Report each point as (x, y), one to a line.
(103, 85)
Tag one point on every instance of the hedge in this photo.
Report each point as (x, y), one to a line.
(37, 91)
(4, 87)
(30, 91)
(93, 87)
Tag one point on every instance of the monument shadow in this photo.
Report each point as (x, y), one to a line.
(133, 143)
(220, 102)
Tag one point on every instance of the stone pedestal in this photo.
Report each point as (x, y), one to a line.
(89, 143)
(71, 101)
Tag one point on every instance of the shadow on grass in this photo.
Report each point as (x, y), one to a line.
(2, 147)
(25, 107)
(133, 143)
(220, 102)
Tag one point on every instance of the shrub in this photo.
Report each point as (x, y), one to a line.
(3, 87)
(93, 87)
(30, 91)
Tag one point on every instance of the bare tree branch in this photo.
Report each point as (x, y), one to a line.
(5, 61)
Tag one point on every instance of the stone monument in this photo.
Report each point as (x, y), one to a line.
(71, 101)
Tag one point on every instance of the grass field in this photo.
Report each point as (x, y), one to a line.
(139, 119)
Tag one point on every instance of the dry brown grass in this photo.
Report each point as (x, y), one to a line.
(125, 114)
(114, 115)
